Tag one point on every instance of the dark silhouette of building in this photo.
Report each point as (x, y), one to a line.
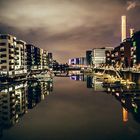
(136, 47)
(89, 57)
(33, 57)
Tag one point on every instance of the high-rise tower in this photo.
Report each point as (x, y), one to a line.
(123, 28)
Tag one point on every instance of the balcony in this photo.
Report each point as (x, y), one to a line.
(3, 55)
(11, 52)
(3, 49)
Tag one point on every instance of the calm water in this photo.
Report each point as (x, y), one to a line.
(75, 108)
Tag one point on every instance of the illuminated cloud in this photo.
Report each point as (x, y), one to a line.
(66, 27)
(131, 5)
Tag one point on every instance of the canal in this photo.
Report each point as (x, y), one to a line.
(70, 108)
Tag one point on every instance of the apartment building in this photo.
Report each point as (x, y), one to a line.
(136, 48)
(20, 57)
(16, 57)
(33, 57)
(43, 59)
(7, 54)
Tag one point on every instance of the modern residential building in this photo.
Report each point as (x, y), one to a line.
(44, 59)
(16, 57)
(127, 52)
(108, 54)
(50, 59)
(20, 57)
(136, 48)
(7, 54)
(125, 55)
(33, 57)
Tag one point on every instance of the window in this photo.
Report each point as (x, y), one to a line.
(3, 61)
(2, 49)
(3, 67)
(2, 44)
(3, 55)
(134, 43)
(4, 37)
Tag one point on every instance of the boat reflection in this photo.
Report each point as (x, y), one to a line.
(17, 98)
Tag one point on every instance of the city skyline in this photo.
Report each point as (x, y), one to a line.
(68, 27)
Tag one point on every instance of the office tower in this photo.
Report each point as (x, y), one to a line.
(98, 56)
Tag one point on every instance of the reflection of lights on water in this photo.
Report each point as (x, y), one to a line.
(123, 101)
(134, 104)
(42, 96)
(125, 115)
(135, 110)
(127, 86)
(48, 92)
(51, 85)
(16, 115)
(113, 90)
(117, 94)
(108, 89)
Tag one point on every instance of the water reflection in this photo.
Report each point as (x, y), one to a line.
(91, 81)
(129, 97)
(130, 101)
(81, 77)
(17, 98)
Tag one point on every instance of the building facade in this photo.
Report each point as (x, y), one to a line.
(7, 54)
(98, 56)
(89, 57)
(16, 57)
(136, 48)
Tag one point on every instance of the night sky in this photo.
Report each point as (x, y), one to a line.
(68, 27)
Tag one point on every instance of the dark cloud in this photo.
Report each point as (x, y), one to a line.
(67, 27)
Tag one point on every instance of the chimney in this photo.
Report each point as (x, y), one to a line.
(131, 32)
(123, 27)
